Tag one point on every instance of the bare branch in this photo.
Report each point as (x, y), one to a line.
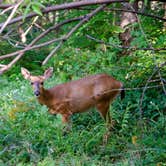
(87, 18)
(5, 6)
(7, 67)
(2, 65)
(64, 6)
(137, 12)
(10, 17)
(24, 34)
(52, 52)
(155, 70)
(143, 93)
(41, 36)
(6, 10)
(162, 81)
(123, 47)
(125, 10)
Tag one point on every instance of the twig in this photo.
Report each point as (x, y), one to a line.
(10, 17)
(52, 53)
(7, 67)
(69, 5)
(23, 35)
(143, 93)
(1, 65)
(89, 16)
(147, 82)
(140, 150)
(156, 66)
(137, 12)
(39, 27)
(123, 47)
(162, 81)
(124, 10)
(5, 6)
(41, 36)
(6, 10)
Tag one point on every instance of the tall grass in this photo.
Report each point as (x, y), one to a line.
(29, 135)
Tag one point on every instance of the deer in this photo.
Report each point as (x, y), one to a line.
(76, 96)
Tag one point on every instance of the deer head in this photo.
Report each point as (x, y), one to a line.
(37, 81)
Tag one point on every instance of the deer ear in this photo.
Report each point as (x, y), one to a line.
(48, 73)
(26, 74)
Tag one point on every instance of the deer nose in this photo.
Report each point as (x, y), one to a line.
(37, 93)
(36, 89)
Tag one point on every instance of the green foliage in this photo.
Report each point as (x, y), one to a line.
(34, 6)
(35, 137)
(29, 135)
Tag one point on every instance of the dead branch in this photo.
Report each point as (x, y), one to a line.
(62, 7)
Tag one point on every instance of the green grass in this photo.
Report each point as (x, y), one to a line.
(29, 135)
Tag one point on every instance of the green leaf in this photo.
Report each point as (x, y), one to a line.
(116, 29)
(36, 8)
(27, 10)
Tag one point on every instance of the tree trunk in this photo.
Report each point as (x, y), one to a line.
(126, 19)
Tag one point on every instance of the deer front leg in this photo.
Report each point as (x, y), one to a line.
(52, 111)
(66, 121)
(65, 118)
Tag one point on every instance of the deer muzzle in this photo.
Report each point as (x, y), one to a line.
(36, 87)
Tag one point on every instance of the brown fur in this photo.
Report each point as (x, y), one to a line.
(76, 96)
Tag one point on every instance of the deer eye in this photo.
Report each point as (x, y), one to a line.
(31, 83)
(41, 83)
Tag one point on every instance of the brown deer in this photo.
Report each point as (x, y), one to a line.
(76, 96)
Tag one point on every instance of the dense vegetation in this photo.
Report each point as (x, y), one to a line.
(29, 135)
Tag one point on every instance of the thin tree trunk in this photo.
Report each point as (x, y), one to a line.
(127, 18)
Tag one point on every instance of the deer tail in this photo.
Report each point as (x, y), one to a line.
(122, 93)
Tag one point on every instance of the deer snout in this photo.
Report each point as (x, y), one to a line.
(37, 93)
(36, 87)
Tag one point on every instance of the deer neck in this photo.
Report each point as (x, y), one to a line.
(45, 97)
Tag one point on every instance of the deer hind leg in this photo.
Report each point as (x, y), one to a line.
(103, 109)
